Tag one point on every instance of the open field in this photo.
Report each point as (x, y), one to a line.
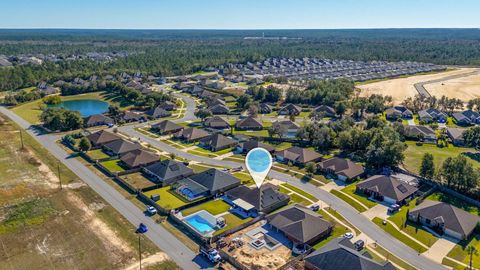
(45, 228)
(464, 88)
(402, 88)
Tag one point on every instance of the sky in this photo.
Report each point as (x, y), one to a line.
(236, 14)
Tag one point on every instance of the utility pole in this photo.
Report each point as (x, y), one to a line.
(21, 139)
(59, 176)
(140, 251)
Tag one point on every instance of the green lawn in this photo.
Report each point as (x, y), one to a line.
(341, 218)
(460, 254)
(97, 154)
(280, 146)
(401, 237)
(338, 230)
(113, 165)
(414, 155)
(260, 133)
(443, 197)
(231, 221)
(392, 257)
(168, 199)
(301, 192)
(350, 190)
(411, 228)
(245, 178)
(295, 198)
(201, 152)
(214, 207)
(348, 200)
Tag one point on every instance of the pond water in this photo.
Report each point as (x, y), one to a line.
(86, 107)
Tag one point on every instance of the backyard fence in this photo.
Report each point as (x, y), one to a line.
(236, 229)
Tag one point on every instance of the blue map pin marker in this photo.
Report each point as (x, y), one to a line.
(259, 163)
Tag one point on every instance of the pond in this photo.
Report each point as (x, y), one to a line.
(86, 107)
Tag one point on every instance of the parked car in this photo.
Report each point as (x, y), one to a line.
(315, 207)
(393, 208)
(348, 235)
(151, 210)
(142, 228)
(359, 245)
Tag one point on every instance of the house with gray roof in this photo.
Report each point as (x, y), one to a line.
(119, 147)
(456, 135)
(138, 158)
(340, 254)
(327, 111)
(191, 134)
(300, 224)
(445, 219)
(249, 123)
(245, 147)
(343, 169)
(297, 155)
(422, 133)
(167, 105)
(432, 115)
(287, 128)
(265, 108)
(466, 118)
(166, 127)
(217, 142)
(167, 171)
(387, 189)
(216, 122)
(398, 112)
(219, 109)
(158, 112)
(97, 120)
(206, 184)
(290, 109)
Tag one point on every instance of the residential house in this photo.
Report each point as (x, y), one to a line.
(167, 171)
(208, 183)
(245, 147)
(166, 127)
(217, 142)
(340, 254)
(191, 134)
(432, 115)
(138, 158)
(216, 122)
(445, 218)
(129, 116)
(297, 155)
(387, 189)
(253, 201)
(119, 147)
(456, 135)
(158, 112)
(287, 128)
(212, 101)
(290, 109)
(398, 112)
(219, 109)
(249, 123)
(327, 111)
(421, 133)
(265, 108)
(102, 137)
(167, 105)
(300, 225)
(255, 81)
(97, 120)
(343, 169)
(466, 118)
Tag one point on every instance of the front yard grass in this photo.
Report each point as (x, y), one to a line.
(392, 257)
(97, 154)
(338, 230)
(342, 219)
(168, 200)
(460, 253)
(214, 207)
(301, 192)
(113, 165)
(350, 190)
(245, 178)
(414, 155)
(401, 237)
(348, 200)
(201, 152)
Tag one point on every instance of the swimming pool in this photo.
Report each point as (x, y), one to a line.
(203, 222)
(259, 160)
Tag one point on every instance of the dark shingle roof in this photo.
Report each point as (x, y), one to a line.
(191, 134)
(98, 118)
(261, 198)
(299, 154)
(121, 146)
(138, 157)
(342, 167)
(169, 169)
(101, 137)
(455, 219)
(247, 146)
(388, 186)
(166, 126)
(300, 223)
(215, 180)
(249, 122)
(218, 141)
(216, 122)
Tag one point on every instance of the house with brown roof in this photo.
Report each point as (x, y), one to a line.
(422, 133)
(217, 142)
(387, 189)
(216, 122)
(456, 135)
(97, 120)
(300, 224)
(167, 171)
(288, 128)
(245, 147)
(119, 147)
(219, 109)
(158, 112)
(167, 105)
(166, 127)
(327, 111)
(191, 134)
(102, 137)
(290, 109)
(249, 123)
(445, 219)
(297, 155)
(138, 158)
(343, 169)
(129, 116)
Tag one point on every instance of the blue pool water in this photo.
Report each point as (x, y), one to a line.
(200, 224)
(259, 160)
(86, 107)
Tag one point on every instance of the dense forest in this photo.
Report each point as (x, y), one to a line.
(168, 52)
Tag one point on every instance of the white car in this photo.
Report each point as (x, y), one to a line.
(348, 235)
(151, 210)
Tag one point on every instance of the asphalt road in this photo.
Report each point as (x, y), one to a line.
(420, 87)
(167, 242)
(358, 220)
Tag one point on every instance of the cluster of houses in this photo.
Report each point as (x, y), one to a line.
(38, 59)
(313, 68)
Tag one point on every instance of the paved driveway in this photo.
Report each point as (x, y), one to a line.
(439, 250)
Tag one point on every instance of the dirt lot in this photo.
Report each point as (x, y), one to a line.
(401, 88)
(464, 88)
(42, 227)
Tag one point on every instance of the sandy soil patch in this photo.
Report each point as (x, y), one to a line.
(150, 260)
(402, 88)
(464, 88)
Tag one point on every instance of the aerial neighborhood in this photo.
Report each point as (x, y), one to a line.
(360, 178)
